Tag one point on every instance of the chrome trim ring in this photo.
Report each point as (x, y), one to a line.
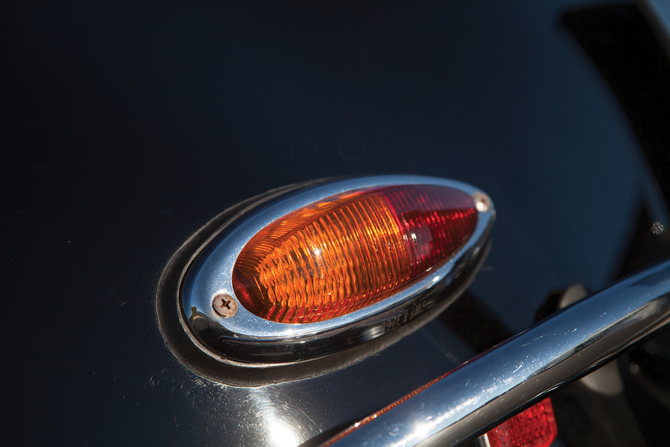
(247, 338)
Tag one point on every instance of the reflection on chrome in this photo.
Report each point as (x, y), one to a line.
(525, 369)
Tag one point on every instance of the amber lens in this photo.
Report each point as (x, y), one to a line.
(350, 251)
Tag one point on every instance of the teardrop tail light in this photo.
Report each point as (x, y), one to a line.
(313, 271)
(349, 251)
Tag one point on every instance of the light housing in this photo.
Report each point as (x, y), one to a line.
(400, 246)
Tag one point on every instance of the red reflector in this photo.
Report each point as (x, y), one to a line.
(535, 427)
(350, 251)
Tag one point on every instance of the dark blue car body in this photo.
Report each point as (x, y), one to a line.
(129, 125)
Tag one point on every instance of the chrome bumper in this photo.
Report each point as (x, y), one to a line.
(521, 371)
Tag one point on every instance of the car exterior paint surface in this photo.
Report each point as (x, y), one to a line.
(131, 125)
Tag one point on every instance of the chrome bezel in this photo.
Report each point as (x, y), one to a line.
(246, 337)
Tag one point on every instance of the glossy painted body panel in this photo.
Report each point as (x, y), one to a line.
(131, 125)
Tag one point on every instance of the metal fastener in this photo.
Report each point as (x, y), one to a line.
(482, 201)
(224, 305)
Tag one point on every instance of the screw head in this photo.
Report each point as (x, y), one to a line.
(482, 202)
(224, 305)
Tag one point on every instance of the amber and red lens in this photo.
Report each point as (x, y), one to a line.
(349, 251)
(535, 427)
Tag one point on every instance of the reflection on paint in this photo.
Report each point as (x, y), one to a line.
(279, 432)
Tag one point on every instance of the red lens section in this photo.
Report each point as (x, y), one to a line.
(535, 427)
(349, 251)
